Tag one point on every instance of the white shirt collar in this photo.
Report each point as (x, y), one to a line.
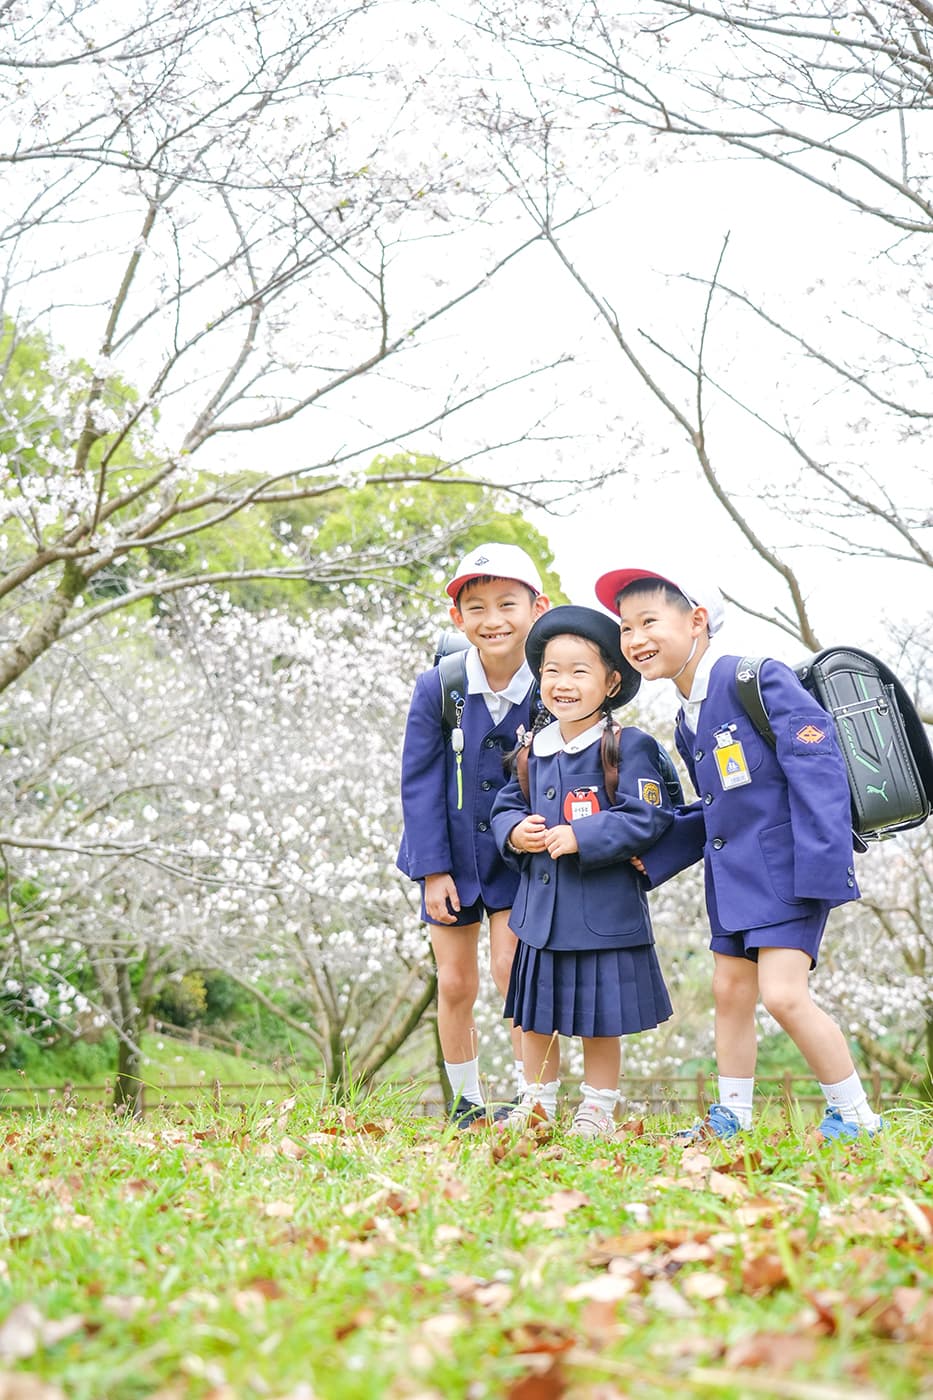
(700, 687)
(477, 683)
(549, 740)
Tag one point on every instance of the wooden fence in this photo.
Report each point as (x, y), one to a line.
(674, 1094)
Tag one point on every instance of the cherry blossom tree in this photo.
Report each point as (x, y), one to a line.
(247, 262)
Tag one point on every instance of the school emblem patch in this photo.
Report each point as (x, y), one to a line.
(649, 791)
(809, 734)
(580, 802)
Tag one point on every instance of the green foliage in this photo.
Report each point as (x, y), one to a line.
(367, 530)
(181, 1001)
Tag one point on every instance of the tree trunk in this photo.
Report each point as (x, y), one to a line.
(128, 1091)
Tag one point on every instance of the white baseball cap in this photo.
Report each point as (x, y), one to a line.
(699, 592)
(495, 561)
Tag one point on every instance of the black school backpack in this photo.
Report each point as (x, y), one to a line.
(887, 753)
(450, 660)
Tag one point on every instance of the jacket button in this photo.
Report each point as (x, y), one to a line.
(708, 798)
(485, 785)
(489, 743)
(851, 884)
(698, 755)
(718, 843)
(550, 792)
(851, 870)
(482, 826)
(546, 878)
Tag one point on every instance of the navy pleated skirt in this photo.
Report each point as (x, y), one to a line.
(612, 991)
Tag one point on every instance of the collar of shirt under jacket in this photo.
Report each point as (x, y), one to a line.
(548, 740)
(699, 689)
(497, 701)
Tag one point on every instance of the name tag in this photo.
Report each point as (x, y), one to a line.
(730, 761)
(580, 802)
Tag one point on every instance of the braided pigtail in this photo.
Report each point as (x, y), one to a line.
(609, 746)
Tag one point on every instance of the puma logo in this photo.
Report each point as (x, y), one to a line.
(880, 791)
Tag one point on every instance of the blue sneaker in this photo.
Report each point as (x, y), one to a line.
(464, 1114)
(835, 1128)
(720, 1122)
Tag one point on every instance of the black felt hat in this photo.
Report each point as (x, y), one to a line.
(568, 619)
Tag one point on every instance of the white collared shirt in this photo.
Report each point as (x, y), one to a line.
(699, 689)
(497, 701)
(549, 740)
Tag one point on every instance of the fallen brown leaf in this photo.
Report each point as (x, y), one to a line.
(547, 1384)
(20, 1385)
(778, 1351)
(762, 1274)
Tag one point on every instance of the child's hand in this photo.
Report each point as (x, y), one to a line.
(528, 835)
(560, 841)
(639, 864)
(438, 889)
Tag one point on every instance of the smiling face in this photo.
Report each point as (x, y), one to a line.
(662, 637)
(575, 681)
(496, 616)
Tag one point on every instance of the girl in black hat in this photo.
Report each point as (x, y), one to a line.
(586, 797)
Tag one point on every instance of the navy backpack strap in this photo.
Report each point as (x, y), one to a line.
(748, 684)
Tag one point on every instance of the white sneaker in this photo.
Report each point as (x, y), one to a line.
(527, 1112)
(590, 1121)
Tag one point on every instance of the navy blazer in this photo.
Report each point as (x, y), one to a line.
(439, 838)
(780, 846)
(593, 899)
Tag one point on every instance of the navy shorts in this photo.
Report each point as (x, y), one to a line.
(469, 914)
(805, 934)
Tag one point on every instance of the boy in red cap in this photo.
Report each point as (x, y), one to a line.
(774, 830)
(449, 782)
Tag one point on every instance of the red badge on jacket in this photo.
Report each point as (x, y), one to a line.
(580, 802)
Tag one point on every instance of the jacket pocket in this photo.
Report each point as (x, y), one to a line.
(777, 851)
(612, 903)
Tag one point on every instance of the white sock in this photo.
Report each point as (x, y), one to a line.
(849, 1097)
(464, 1081)
(521, 1083)
(604, 1099)
(545, 1095)
(737, 1094)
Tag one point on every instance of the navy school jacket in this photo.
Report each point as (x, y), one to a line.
(594, 899)
(438, 838)
(780, 846)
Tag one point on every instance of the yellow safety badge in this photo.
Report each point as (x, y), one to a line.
(730, 760)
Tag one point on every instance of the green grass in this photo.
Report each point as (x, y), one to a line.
(373, 1253)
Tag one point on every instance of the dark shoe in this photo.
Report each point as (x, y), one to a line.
(720, 1122)
(464, 1114)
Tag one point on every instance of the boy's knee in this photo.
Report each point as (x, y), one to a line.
(456, 985)
(784, 1003)
(734, 980)
(500, 967)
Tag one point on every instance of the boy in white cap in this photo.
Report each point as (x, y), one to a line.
(773, 827)
(450, 779)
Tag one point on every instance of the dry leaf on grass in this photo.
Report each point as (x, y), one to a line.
(20, 1385)
(704, 1287)
(778, 1351)
(25, 1329)
(557, 1207)
(762, 1274)
(547, 1383)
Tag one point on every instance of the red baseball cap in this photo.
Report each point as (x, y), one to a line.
(699, 593)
